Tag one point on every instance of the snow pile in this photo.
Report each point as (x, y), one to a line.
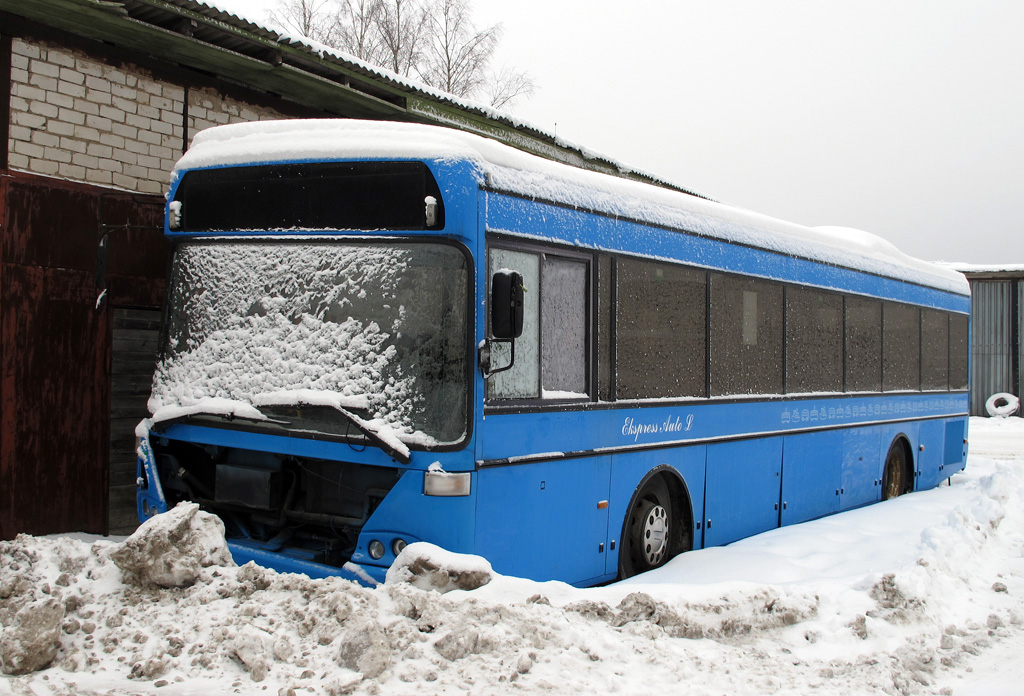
(171, 550)
(904, 597)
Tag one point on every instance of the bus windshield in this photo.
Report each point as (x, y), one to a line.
(314, 331)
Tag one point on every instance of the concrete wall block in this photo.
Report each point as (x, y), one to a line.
(74, 90)
(115, 76)
(140, 122)
(99, 123)
(60, 100)
(71, 116)
(136, 146)
(124, 92)
(60, 127)
(135, 171)
(162, 127)
(19, 104)
(59, 57)
(42, 166)
(161, 103)
(21, 48)
(86, 133)
(165, 168)
(89, 67)
(151, 87)
(161, 152)
(174, 93)
(125, 156)
(87, 107)
(43, 109)
(114, 141)
(100, 150)
(112, 114)
(73, 76)
(19, 62)
(73, 145)
(151, 186)
(110, 165)
(171, 116)
(125, 182)
(87, 161)
(148, 161)
(55, 154)
(43, 82)
(17, 160)
(198, 112)
(149, 111)
(125, 105)
(97, 83)
(23, 118)
(28, 149)
(19, 75)
(97, 96)
(71, 171)
(45, 139)
(20, 133)
(149, 137)
(98, 176)
(125, 131)
(41, 67)
(28, 92)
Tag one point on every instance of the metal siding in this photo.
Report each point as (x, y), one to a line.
(991, 345)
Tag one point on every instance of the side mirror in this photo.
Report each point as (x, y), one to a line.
(507, 304)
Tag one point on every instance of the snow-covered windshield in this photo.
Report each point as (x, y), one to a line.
(304, 328)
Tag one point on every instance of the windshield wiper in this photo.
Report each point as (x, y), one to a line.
(372, 435)
(226, 417)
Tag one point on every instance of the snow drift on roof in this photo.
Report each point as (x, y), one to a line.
(506, 168)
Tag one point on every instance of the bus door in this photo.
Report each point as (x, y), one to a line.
(744, 481)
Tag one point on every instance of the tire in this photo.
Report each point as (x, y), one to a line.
(895, 480)
(649, 531)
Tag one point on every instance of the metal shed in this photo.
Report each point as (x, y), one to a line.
(997, 295)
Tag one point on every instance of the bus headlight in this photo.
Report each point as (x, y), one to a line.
(376, 550)
(397, 545)
(442, 483)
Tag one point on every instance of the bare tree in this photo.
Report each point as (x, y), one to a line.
(402, 28)
(456, 56)
(506, 86)
(357, 29)
(433, 40)
(310, 18)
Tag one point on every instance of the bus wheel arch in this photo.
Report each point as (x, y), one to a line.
(898, 474)
(658, 524)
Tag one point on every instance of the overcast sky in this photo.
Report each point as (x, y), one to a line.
(900, 117)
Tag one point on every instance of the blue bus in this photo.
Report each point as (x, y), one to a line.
(381, 333)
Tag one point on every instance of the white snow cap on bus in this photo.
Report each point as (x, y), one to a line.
(508, 169)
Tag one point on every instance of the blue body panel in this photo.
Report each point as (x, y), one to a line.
(551, 484)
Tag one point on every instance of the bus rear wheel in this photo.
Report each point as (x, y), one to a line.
(894, 479)
(647, 538)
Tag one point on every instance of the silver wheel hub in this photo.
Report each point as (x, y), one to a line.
(655, 535)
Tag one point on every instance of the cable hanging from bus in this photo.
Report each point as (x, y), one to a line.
(378, 334)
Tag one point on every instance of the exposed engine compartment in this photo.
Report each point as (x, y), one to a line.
(307, 508)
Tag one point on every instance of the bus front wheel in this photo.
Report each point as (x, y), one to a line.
(895, 479)
(647, 537)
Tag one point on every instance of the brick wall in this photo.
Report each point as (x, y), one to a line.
(113, 125)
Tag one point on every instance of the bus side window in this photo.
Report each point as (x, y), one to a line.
(523, 380)
(551, 354)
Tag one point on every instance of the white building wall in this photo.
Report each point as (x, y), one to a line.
(77, 118)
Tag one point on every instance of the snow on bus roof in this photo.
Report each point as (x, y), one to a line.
(506, 168)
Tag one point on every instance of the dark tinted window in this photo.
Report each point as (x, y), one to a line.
(814, 341)
(863, 345)
(901, 350)
(314, 195)
(661, 319)
(746, 336)
(958, 345)
(605, 317)
(934, 350)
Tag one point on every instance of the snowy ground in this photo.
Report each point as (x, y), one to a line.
(920, 595)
